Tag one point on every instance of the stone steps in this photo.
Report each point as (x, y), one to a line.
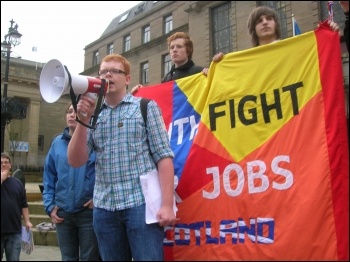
(45, 238)
(37, 208)
(33, 182)
(33, 177)
(37, 215)
(33, 197)
(37, 219)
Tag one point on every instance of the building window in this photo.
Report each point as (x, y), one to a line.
(168, 24)
(280, 8)
(110, 49)
(127, 43)
(95, 58)
(139, 8)
(146, 34)
(123, 17)
(41, 142)
(144, 73)
(166, 64)
(222, 29)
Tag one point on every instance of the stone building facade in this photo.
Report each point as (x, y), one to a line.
(205, 21)
(140, 34)
(43, 120)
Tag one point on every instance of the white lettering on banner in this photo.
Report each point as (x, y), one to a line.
(255, 172)
(283, 172)
(181, 125)
(216, 180)
(259, 231)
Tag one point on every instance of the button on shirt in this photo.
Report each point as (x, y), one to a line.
(123, 152)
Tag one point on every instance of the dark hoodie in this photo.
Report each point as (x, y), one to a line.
(185, 70)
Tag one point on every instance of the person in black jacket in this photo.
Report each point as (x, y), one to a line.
(14, 206)
(180, 48)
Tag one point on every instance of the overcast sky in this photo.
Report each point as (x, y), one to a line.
(59, 29)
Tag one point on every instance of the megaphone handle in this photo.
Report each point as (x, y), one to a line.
(93, 117)
(97, 108)
(92, 96)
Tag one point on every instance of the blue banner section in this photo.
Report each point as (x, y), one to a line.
(183, 128)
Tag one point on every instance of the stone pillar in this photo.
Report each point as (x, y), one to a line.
(33, 113)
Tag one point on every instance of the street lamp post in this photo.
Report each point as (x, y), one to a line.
(12, 38)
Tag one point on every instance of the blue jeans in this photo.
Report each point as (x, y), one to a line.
(11, 243)
(124, 235)
(76, 234)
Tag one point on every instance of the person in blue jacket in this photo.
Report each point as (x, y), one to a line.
(67, 197)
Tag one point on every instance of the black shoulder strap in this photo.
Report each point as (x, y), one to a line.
(143, 105)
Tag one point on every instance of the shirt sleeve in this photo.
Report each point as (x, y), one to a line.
(157, 133)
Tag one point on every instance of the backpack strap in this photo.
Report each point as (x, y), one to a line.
(143, 106)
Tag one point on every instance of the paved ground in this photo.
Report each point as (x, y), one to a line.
(41, 253)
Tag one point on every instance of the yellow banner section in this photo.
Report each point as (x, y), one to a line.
(196, 90)
(251, 94)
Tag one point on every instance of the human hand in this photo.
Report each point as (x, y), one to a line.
(205, 71)
(344, 5)
(85, 107)
(218, 57)
(5, 173)
(54, 217)
(28, 225)
(166, 216)
(135, 89)
(89, 204)
(334, 26)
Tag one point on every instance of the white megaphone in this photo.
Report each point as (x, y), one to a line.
(55, 81)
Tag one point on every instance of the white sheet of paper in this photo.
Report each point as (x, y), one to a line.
(153, 195)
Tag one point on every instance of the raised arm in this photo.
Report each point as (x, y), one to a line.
(78, 149)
